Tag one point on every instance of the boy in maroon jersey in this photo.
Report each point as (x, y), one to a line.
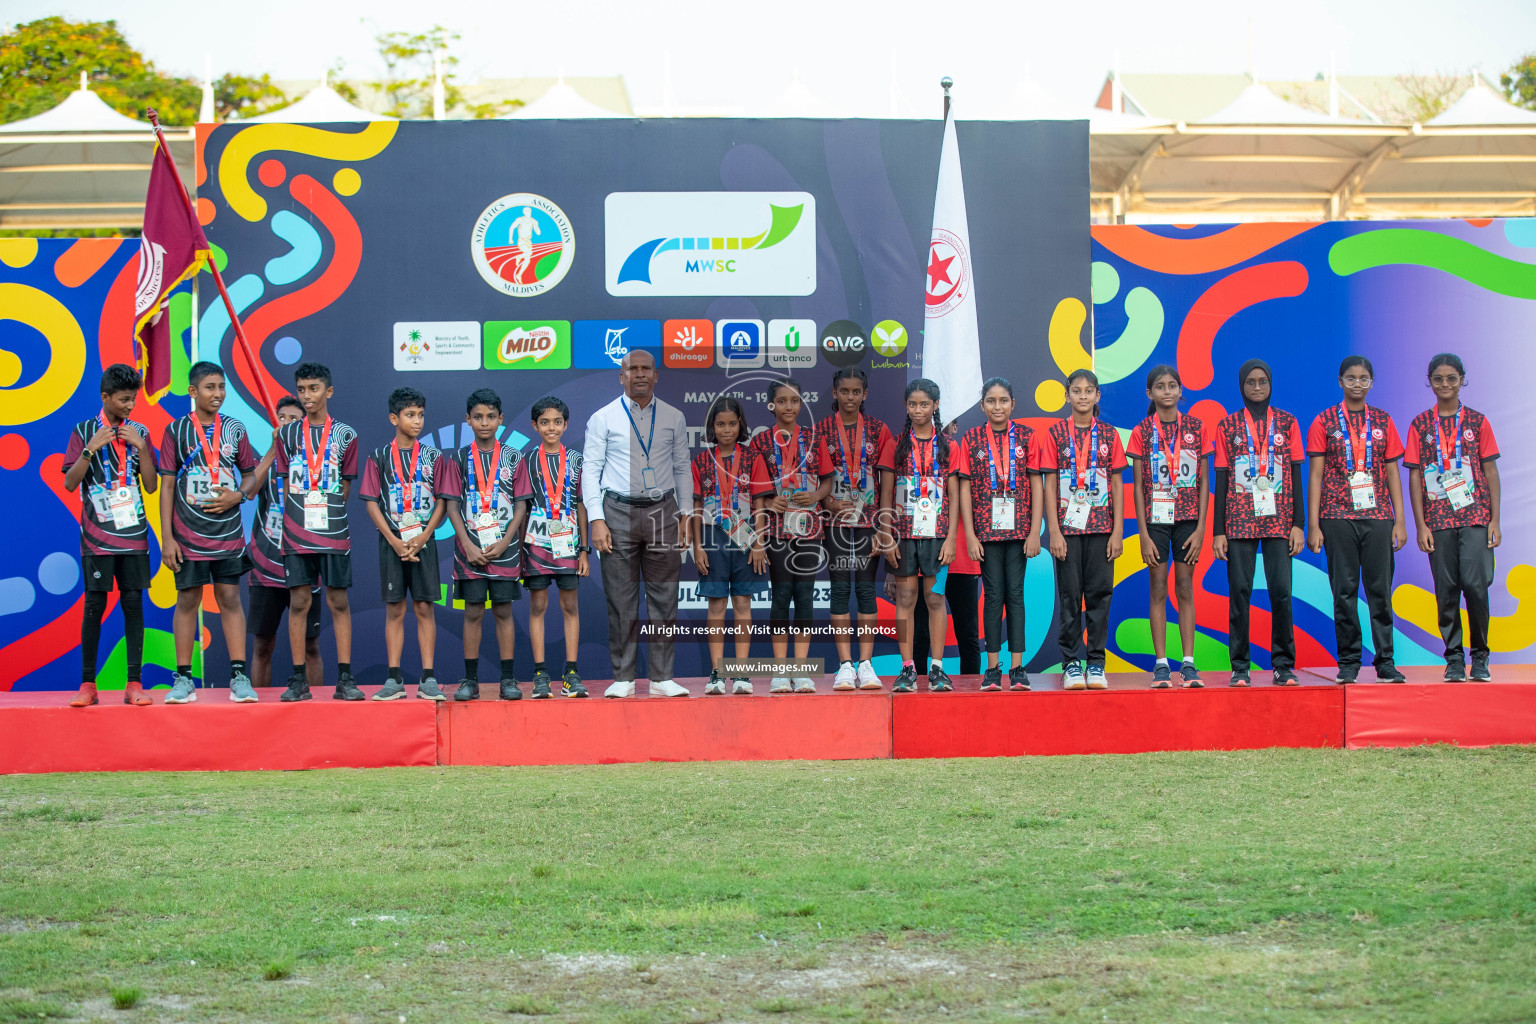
(202, 536)
(1355, 506)
(1455, 491)
(1259, 509)
(112, 458)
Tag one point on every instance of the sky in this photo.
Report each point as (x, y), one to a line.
(734, 54)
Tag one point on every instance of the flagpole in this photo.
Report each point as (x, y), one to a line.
(218, 278)
(946, 83)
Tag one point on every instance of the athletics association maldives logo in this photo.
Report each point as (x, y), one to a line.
(522, 244)
(949, 272)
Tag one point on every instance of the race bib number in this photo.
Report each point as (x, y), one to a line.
(558, 536)
(1003, 514)
(273, 524)
(317, 514)
(1162, 506)
(98, 495)
(1245, 474)
(200, 486)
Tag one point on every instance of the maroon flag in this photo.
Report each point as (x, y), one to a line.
(171, 250)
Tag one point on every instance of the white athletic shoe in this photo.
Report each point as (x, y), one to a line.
(868, 678)
(847, 677)
(779, 684)
(625, 688)
(805, 684)
(715, 687)
(741, 686)
(1096, 678)
(666, 688)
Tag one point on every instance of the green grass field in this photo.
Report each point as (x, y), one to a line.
(1258, 886)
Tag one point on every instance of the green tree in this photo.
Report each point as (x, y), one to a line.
(1519, 82)
(407, 82)
(41, 61)
(245, 96)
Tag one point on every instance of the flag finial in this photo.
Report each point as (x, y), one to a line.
(946, 83)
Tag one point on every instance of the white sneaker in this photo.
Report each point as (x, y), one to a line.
(779, 684)
(741, 686)
(847, 677)
(868, 679)
(805, 684)
(714, 688)
(1096, 679)
(666, 688)
(626, 688)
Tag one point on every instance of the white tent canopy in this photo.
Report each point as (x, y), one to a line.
(562, 101)
(1257, 105)
(321, 105)
(1481, 105)
(796, 101)
(81, 111)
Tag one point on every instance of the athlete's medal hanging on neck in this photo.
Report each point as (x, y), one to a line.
(925, 521)
(317, 513)
(1455, 479)
(123, 501)
(1004, 506)
(487, 524)
(1358, 459)
(797, 521)
(1260, 482)
(1084, 476)
(405, 490)
(1164, 460)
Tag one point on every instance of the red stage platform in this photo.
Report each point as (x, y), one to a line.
(38, 733)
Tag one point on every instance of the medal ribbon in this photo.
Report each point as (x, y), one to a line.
(778, 455)
(1440, 433)
(1255, 468)
(1169, 457)
(925, 478)
(407, 497)
(993, 460)
(206, 438)
(1355, 446)
(1089, 482)
(120, 447)
(842, 439)
(721, 469)
(487, 494)
(314, 462)
(555, 498)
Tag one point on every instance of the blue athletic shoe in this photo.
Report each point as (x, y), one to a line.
(1191, 676)
(183, 690)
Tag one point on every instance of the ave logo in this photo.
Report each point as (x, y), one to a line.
(843, 343)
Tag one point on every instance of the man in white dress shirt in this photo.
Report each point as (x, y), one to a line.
(638, 491)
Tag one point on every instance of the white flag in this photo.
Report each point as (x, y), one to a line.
(951, 341)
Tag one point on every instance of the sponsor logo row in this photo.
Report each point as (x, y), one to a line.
(736, 344)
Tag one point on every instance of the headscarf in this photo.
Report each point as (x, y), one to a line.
(1255, 409)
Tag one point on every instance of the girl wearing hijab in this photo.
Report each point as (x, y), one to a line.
(1259, 508)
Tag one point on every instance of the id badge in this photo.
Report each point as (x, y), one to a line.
(562, 539)
(1362, 489)
(843, 492)
(925, 520)
(1162, 506)
(317, 513)
(487, 529)
(199, 487)
(1077, 512)
(1457, 488)
(797, 522)
(1003, 517)
(1263, 502)
(648, 479)
(123, 503)
(739, 530)
(410, 525)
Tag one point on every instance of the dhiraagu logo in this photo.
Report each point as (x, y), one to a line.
(527, 345)
(710, 243)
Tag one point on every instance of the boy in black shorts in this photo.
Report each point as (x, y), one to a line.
(112, 457)
(318, 459)
(269, 584)
(400, 487)
(547, 487)
(202, 539)
(477, 481)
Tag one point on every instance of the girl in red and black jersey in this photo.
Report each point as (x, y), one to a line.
(1355, 505)
(1000, 509)
(791, 474)
(1455, 491)
(1259, 508)
(1169, 449)
(854, 440)
(1084, 507)
(921, 473)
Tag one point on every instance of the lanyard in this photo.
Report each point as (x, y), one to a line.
(1354, 446)
(1440, 433)
(778, 456)
(721, 469)
(1091, 457)
(1013, 463)
(1168, 456)
(555, 498)
(842, 440)
(408, 496)
(645, 446)
(121, 448)
(487, 495)
(314, 462)
(206, 438)
(1255, 469)
(924, 477)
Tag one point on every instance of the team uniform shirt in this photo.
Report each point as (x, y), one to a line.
(926, 455)
(406, 490)
(457, 483)
(1173, 458)
(1096, 472)
(337, 462)
(863, 484)
(797, 467)
(989, 478)
(204, 535)
(265, 549)
(545, 530)
(101, 533)
(1383, 446)
(733, 483)
(1431, 448)
(1246, 465)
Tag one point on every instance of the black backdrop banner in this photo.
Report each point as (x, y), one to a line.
(528, 256)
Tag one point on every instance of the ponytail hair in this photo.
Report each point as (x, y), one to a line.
(1156, 374)
(850, 373)
(1450, 359)
(1089, 376)
(785, 382)
(997, 382)
(904, 445)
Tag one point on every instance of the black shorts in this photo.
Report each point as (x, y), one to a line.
(196, 575)
(418, 578)
(1168, 537)
(268, 605)
(307, 570)
(131, 572)
(541, 581)
(475, 591)
(919, 556)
